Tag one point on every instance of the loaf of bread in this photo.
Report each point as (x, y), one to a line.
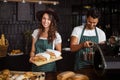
(65, 75)
(78, 77)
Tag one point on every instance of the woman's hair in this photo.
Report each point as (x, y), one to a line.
(53, 26)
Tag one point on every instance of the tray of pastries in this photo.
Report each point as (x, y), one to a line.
(6, 74)
(46, 57)
(16, 52)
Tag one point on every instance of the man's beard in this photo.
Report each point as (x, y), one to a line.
(90, 27)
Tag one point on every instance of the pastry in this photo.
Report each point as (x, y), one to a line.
(20, 77)
(6, 72)
(28, 74)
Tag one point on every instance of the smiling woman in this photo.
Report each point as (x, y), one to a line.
(45, 37)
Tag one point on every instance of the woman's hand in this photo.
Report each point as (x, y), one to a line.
(31, 60)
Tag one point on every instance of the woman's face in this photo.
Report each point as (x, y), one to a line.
(91, 22)
(46, 21)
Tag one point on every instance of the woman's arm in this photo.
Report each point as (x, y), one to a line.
(58, 42)
(58, 47)
(32, 53)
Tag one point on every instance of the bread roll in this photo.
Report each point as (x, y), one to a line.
(43, 56)
(6, 72)
(65, 75)
(53, 53)
(20, 77)
(29, 74)
(78, 77)
(14, 76)
(39, 58)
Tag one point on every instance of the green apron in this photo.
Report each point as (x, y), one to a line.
(79, 62)
(41, 46)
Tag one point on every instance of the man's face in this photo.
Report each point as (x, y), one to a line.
(91, 22)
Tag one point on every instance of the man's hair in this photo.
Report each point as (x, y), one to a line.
(94, 12)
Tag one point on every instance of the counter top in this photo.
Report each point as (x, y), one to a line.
(89, 72)
(11, 62)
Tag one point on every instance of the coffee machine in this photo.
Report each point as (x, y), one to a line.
(106, 59)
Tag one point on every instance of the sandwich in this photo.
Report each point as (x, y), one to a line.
(41, 57)
(53, 53)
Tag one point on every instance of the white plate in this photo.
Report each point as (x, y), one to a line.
(15, 54)
(66, 49)
(57, 53)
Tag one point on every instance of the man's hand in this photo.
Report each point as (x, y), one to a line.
(87, 44)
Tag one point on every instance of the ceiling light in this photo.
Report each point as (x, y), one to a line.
(54, 3)
(5, 1)
(35, 1)
(23, 1)
(87, 6)
(40, 2)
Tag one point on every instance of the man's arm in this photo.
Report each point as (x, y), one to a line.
(74, 46)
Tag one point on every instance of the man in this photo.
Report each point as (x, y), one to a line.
(83, 35)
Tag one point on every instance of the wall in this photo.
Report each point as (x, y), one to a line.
(17, 18)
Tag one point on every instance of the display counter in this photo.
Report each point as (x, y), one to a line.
(20, 63)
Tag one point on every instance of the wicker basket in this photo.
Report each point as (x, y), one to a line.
(3, 49)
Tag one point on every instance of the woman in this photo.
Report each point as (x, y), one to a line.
(45, 37)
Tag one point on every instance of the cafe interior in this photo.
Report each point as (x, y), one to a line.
(18, 21)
